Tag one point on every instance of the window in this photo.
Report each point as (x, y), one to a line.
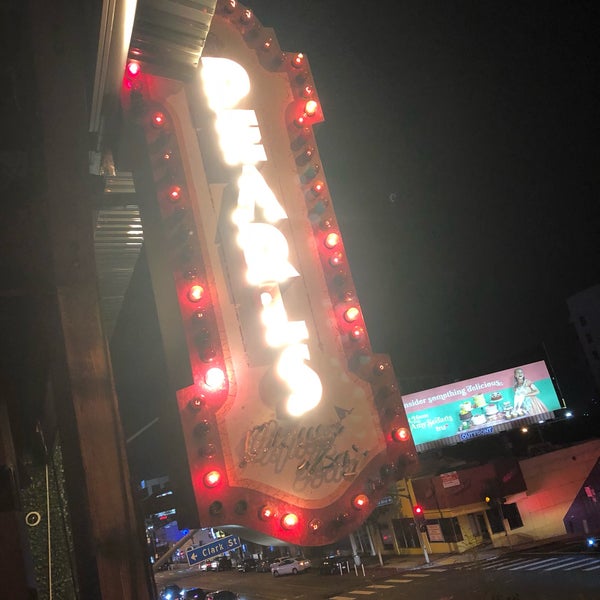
(406, 532)
(511, 514)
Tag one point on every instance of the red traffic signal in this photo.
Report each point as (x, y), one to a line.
(418, 510)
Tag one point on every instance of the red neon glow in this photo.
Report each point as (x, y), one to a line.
(418, 510)
(351, 314)
(158, 119)
(212, 478)
(400, 434)
(359, 502)
(299, 122)
(332, 240)
(298, 60)
(195, 293)
(134, 68)
(289, 521)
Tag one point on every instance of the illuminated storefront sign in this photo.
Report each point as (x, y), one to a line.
(265, 247)
(481, 406)
(292, 426)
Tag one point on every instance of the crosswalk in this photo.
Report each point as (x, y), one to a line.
(538, 563)
(369, 590)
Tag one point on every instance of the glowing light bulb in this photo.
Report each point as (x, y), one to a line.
(289, 521)
(351, 314)
(134, 68)
(175, 193)
(195, 293)
(158, 119)
(266, 512)
(298, 60)
(400, 434)
(332, 240)
(212, 478)
(310, 108)
(214, 378)
(360, 501)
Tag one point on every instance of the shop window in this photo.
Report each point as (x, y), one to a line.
(450, 528)
(512, 515)
(406, 532)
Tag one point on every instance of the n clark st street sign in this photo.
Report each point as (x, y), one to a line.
(196, 555)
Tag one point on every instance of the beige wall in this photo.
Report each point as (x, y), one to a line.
(553, 480)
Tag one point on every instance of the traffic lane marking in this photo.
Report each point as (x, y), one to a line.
(361, 592)
(380, 586)
(398, 580)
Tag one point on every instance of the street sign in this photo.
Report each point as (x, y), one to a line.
(201, 553)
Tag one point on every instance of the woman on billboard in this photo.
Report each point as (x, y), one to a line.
(526, 396)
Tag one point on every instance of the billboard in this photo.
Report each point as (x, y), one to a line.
(481, 406)
(292, 425)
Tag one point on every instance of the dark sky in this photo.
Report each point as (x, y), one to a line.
(460, 147)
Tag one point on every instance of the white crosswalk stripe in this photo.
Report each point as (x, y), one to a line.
(538, 563)
(380, 586)
(437, 570)
(398, 580)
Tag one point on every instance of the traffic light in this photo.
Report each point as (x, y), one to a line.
(420, 520)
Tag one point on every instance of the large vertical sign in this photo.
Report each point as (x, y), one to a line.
(293, 426)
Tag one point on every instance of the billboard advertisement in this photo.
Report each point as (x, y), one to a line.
(464, 410)
(292, 425)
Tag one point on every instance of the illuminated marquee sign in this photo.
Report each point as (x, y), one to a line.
(292, 426)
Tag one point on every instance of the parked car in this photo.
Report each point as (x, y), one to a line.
(248, 564)
(222, 595)
(331, 564)
(290, 566)
(275, 561)
(221, 564)
(171, 592)
(193, 594)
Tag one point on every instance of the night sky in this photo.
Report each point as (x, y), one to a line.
(459, 145)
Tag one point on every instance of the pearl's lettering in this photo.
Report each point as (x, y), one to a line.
(265, 248)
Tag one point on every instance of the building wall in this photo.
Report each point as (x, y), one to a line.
(553, 480)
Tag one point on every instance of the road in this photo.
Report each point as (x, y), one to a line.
(546, 573)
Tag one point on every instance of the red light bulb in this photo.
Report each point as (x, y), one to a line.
(212, 478)
(298, 60)
(134, 68)
(361, 501)
(307, 91)
(317, 187)
(158, 119)
(195, 293)
(310, 108)
(175, 193)
(332, 240)
(289, 521)
(336, 259)
(351, 314)
(266, 512)
(400, 434)
(214, 378)
(357, 333)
